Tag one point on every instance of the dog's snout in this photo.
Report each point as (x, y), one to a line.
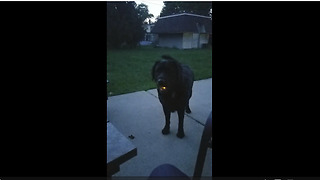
(161, 82)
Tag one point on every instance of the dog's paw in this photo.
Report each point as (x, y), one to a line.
(165, 130)
(180, 134)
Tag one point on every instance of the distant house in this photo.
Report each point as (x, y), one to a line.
(148, 35)
(183, 31)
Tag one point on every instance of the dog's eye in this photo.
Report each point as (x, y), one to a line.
(163, 88)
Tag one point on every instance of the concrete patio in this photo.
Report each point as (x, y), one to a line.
(140, 114)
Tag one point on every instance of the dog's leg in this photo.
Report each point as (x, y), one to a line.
(188, 109)
(180, 133)
(166, 129)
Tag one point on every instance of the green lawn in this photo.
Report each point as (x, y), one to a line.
(130, 70)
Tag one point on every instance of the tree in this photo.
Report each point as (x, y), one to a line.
(200, 8)
(143, 12)
(124, 25)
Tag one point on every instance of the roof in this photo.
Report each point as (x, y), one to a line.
(180, 23)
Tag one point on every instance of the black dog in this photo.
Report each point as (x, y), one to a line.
(174, 85)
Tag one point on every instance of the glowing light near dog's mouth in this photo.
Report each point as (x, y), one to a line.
(163, 88)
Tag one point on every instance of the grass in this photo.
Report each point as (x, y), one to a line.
(130, 70)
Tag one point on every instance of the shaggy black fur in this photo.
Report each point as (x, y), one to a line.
(174, 85)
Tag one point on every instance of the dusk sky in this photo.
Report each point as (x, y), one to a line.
(154, 7)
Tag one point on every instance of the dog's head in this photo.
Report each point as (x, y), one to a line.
(166, 73)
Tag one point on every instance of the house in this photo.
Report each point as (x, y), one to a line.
(150, 37)
(183, 31)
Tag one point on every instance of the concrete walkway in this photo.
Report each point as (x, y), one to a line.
(140, 114)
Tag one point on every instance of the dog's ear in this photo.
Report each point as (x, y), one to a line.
(153, 70)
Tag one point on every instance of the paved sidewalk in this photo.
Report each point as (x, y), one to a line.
(140, 114)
